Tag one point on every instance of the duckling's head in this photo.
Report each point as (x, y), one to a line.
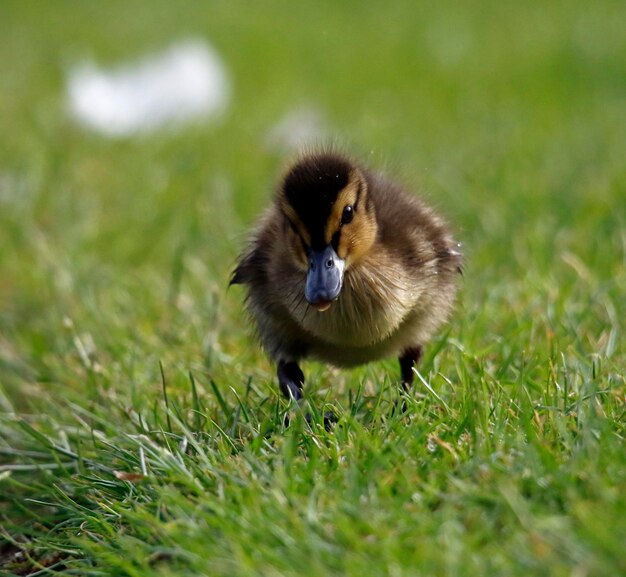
(330, 221)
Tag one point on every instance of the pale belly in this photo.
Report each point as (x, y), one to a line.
(347, 352)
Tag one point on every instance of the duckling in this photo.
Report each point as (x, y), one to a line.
(345, 267)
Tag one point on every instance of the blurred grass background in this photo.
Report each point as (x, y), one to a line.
(115, 255)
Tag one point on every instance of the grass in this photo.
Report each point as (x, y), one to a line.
(141, 431)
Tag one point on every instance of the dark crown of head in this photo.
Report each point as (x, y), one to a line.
(312, 185)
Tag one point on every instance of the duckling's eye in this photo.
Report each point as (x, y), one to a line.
(347, 215)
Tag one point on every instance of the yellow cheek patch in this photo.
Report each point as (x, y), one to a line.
(357, 238)
(346, 196)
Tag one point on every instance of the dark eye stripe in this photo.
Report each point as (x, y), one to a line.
(291, 225)
(358, 196)
(335, 240)
(294, 228)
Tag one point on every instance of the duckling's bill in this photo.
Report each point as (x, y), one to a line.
(324, 278)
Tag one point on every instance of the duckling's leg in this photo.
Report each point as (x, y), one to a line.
(410, 358)
(290, 379)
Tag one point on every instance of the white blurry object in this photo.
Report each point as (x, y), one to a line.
(298, 127)
(185, 83)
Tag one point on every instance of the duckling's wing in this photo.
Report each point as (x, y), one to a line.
(244, 271)
(236, 277)
(252, 266)
(451, 258)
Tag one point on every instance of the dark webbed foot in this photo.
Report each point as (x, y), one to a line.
(330, 419)
(410, 358)
(290, 379)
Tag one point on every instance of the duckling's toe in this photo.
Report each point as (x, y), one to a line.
(399, 407)
(330, 419)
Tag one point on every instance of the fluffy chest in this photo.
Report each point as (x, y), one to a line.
(373, 303)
